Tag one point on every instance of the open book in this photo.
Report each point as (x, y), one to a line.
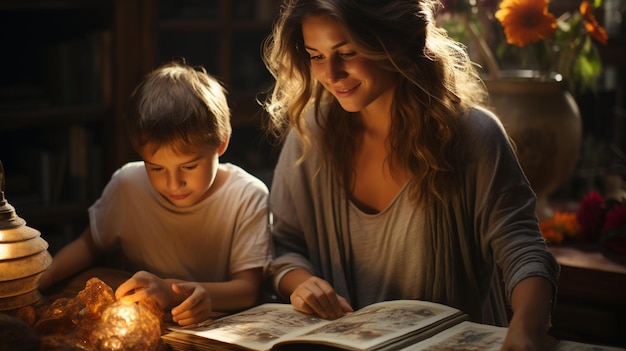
(388, 325)
(405, 325)
(475, 336)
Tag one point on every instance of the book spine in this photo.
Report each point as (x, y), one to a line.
(78, 148)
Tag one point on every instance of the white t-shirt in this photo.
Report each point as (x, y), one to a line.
(207, 242)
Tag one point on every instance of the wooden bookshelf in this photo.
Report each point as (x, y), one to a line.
(225, 37)
(71, 66)
(69, 69)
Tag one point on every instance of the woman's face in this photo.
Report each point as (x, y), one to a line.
(356, 82)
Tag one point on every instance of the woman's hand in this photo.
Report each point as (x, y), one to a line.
(520, 338)
(316, 296)
(531, 303)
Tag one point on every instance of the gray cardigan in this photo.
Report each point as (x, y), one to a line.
(472, 251)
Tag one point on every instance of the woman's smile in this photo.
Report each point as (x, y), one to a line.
(345, 92)
(357, 82)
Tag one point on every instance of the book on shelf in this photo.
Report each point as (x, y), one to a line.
(404, 325)
(78, 70)
(79, 145)
(53, 172)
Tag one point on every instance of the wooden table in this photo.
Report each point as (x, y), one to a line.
(591, 301)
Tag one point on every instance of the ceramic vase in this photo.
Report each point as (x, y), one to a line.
(543, 120)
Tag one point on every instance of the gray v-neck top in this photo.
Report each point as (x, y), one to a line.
(397, 251)
(468, 253)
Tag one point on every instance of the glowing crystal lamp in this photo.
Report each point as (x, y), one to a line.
(127, 327)
(23, 257)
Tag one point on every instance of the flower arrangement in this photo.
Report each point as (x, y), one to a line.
(596, 220)
(524, 34)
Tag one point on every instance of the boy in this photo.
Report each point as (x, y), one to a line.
(193, 228)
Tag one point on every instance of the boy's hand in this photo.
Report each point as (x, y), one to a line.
(316, 296)
(196, 303)
(143, 284)
(195, 308)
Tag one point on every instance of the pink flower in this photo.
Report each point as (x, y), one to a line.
(615, 218)
(590, 216)
(616, 244)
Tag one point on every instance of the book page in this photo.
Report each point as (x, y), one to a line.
(257, 328)
(565, 345)
(482, 337)
(464, 336)
(379, 324)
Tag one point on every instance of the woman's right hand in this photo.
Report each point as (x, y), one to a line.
(317, 296)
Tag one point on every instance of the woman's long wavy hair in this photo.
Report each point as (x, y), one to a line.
(436, 84)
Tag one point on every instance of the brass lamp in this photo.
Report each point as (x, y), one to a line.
(24, 257)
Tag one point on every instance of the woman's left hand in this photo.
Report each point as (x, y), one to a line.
(519, 338)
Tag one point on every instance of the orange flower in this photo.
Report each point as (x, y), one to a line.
(526, 21)
(566, 223)
(559, 226)
(591, 24)
(549, 233)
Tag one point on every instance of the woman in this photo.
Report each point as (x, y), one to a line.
(393, 182)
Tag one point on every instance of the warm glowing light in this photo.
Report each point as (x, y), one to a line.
(126, 326)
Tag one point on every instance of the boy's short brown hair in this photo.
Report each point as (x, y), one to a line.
(178, 105)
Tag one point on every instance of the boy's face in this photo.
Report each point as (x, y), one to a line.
(183, 179)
